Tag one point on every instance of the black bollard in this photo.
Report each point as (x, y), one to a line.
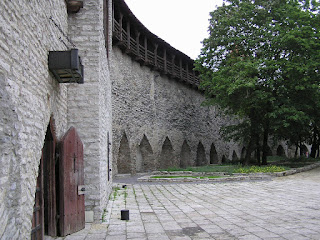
(124, 214)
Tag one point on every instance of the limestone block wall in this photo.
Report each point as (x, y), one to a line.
(159, 122)
(89, 105)
(29, 95)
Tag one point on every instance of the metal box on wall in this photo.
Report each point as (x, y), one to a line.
(66, 66)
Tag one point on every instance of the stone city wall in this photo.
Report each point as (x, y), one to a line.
(89, 105)
(29, 97)
(159, 122)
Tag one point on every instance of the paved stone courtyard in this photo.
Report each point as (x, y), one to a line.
(284, 208)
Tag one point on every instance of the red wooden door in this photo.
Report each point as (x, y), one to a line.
(72, 216)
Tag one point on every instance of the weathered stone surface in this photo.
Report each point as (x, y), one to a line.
(90, 104)
(30, 96)
(152, 108)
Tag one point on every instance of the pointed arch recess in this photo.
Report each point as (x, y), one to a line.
(146, 155)
(185, 155)
(213, 155)
(166, 156)
(124, 157)
(280, 151)
(201, 155)
(234, 156)
(243, 153)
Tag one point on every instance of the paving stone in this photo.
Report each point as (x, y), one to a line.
(136, 235)
(249, 237)
(284, 208)
(113, 237)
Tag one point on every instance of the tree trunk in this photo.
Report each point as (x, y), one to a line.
(265, 144)
(250, 148)
(300, 146)
(296, 151)
(315, 145)
(258, 150)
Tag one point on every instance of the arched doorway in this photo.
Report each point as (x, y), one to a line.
(59, 200)
(45, 208)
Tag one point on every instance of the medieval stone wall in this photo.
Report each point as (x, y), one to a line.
(29, 96)
(159, 122)
(89, 105)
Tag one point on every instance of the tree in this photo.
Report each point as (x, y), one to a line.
(251, 67)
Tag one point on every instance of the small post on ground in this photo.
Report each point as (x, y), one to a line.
(124, 214)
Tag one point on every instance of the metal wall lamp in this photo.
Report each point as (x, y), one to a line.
(73, 6)
(66, 66)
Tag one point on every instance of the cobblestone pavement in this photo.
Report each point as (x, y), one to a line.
(284, 208)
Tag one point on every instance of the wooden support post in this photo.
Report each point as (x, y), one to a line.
(173, 65)
(187, 71)
(138, 43)
(180, 63)
(128, 35)
(120, 23)
(145, 49)
(165, 60)
(155, 54)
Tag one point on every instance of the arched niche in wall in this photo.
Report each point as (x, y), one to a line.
(243, 152)
(201, 155)
(234, 156)
(304, 151)
(166, 156)
(213, 155)
(124, 157)
(269, 151)
(280, 151)
(223, 159)
(145, 160)
(185, 155)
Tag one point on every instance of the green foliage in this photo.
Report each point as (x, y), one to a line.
(115, 192)
(174, 169)
(279, 164)
(263, 169)
(260, 63)
(104, 214)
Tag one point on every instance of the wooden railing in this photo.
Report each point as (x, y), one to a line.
(160, 63)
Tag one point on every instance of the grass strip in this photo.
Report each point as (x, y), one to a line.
(157, 177)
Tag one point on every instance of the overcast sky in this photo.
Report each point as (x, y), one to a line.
(181, 23)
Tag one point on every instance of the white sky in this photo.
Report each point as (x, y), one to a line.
(181, 23)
